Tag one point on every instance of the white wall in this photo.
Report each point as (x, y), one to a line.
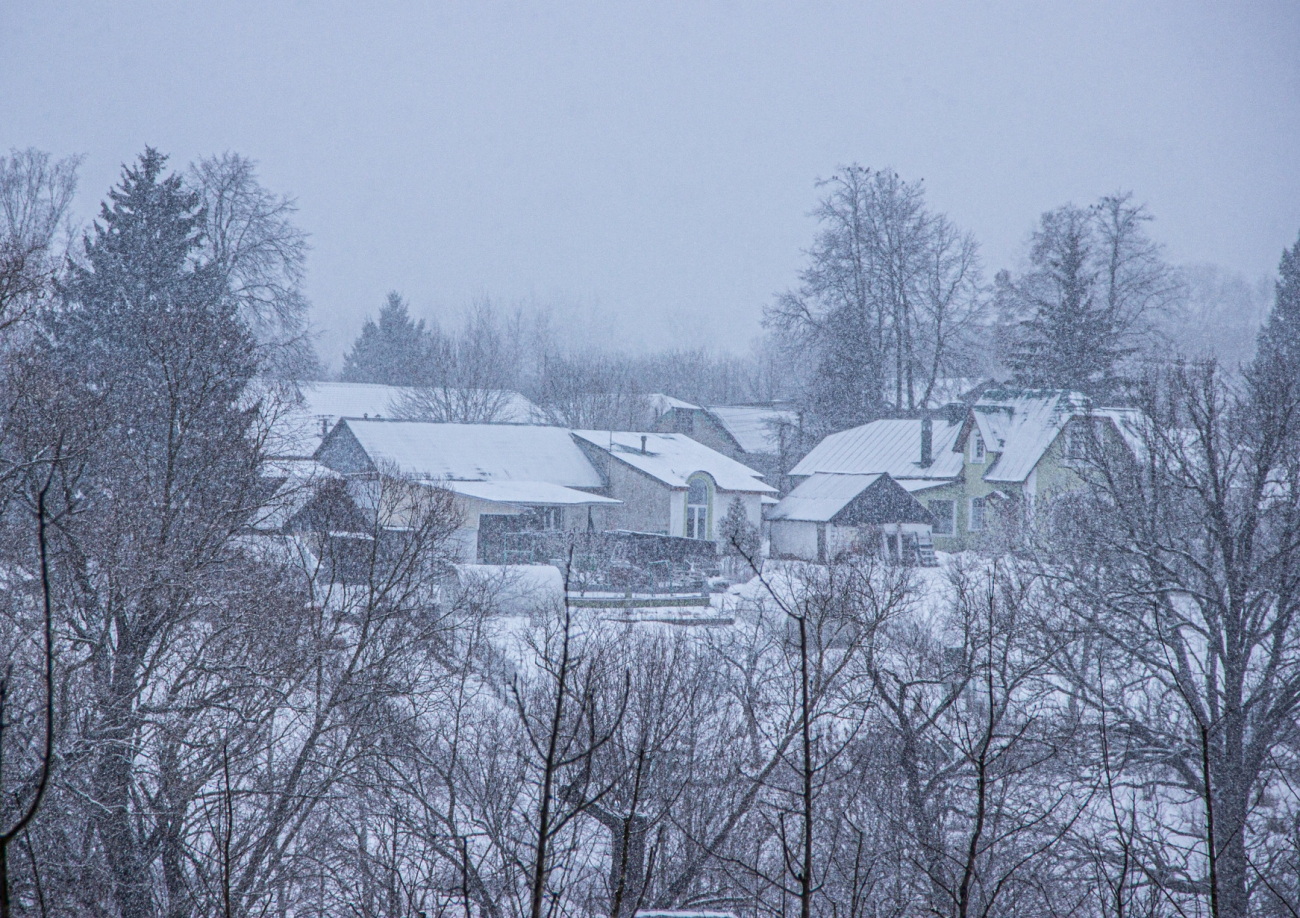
(794, 539)
(648, 505)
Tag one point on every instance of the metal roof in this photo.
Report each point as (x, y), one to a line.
(1020, 426)
(822, 495)
(754, 427)
(886, 446)
(477, 452)
(673, 458)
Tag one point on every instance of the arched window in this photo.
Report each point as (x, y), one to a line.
(697, 508)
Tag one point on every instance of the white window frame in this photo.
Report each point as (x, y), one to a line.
(983, 515)
(697, 515)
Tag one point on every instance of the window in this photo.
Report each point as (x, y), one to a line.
(684, 421)
(552, 517)
(944, 512)
(977, 509)
(697, 509)
(977, 448)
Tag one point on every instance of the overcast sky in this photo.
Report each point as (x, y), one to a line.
(648, 167)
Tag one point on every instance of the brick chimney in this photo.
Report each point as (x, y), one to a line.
(927, 442)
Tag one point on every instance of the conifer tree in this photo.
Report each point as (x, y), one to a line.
(1083, 308)
(394, 351)
(151, 333)
(1279, 339)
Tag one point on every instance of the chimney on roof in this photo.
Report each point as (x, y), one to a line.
(643, 439)
(927, 442)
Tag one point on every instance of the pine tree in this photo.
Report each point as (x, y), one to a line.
(1279, 339)
(738, 535)
(1068, 341)
(151, 334)
(394, 351)
(1095, 282)
(152, 327)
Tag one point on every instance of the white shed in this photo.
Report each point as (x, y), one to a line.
(831, 513)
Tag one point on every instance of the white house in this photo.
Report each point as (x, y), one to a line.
(495, 470)
(512, 477)
(672, 484)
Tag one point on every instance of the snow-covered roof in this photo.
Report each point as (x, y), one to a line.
(1020, 426)
(477, 452)
(295, 477)
(887, 446)
(661, 404)
(822, 495)
(532, 493)
(1131, 424)
(754, 427)
(304, 426)
(333, 400)
(673, 458)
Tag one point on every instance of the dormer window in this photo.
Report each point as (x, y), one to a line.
(977, 448)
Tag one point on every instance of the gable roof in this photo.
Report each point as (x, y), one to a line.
(473, 452)
(323, 403)
(673, 458)
(661, 404)
(754, 427)
(1020, 425)
(825, 495)
(820, 496)
(335, 400)
(892, 446)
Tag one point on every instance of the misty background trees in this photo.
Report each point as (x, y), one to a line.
(270, 697)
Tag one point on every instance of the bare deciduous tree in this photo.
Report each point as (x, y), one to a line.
(888, 289)
(35, 193)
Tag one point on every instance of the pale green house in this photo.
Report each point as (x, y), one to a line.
(979, 469)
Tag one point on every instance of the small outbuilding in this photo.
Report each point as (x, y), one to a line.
(832, 513)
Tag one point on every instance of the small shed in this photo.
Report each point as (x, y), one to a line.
(831, 513)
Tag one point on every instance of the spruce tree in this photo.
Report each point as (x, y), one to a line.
(152, 328)
(1279, 339)
(152, 337)
(1096, 282)
(395, 351)
(1069, 341)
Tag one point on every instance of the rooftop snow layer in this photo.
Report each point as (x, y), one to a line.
(1020, 426)
(822, 495)
(673, 458)
(886, 446)
(478, 452)
(754, 427)
(661, 404)
(323, 403)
